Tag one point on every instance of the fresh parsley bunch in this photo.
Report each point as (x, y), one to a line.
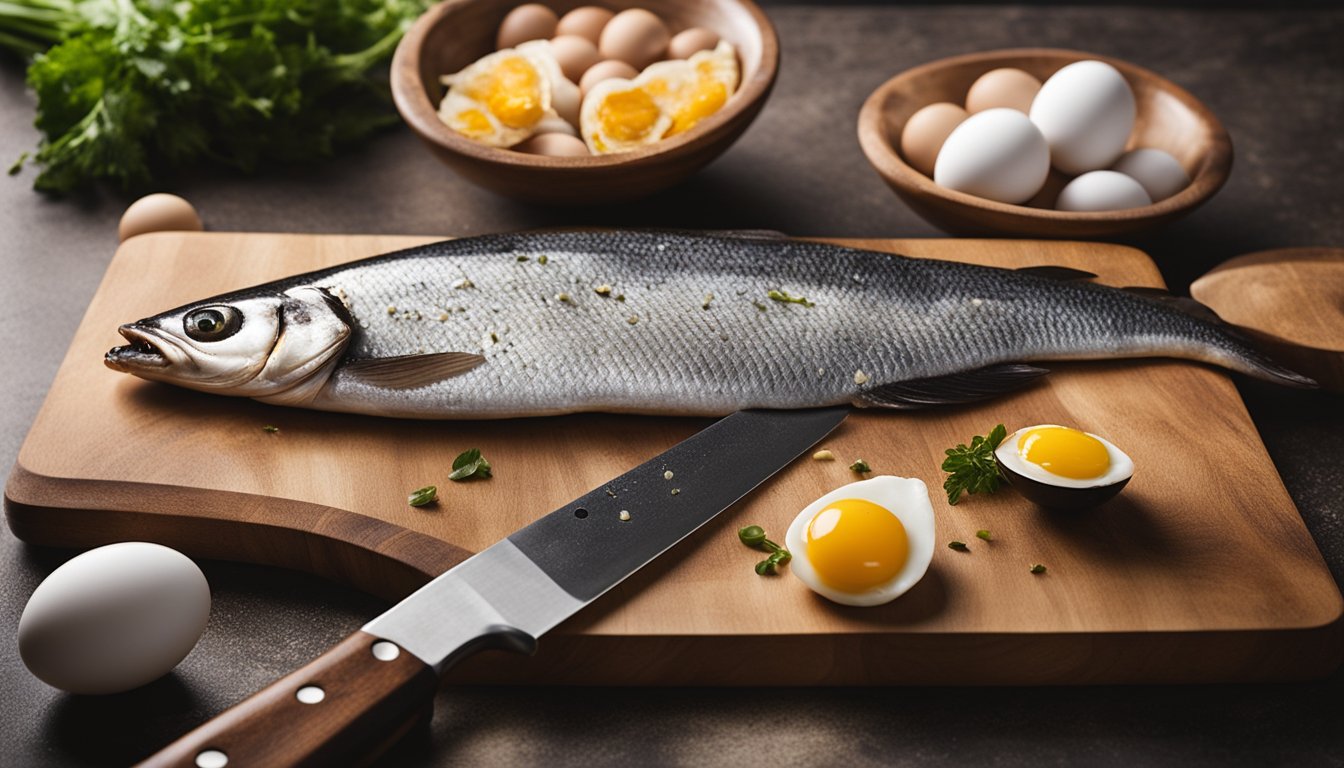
(125, 87)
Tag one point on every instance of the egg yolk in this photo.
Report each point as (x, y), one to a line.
(855, 545)
(628, 115)
(474, 123)
(706, 99)
(1065, 452)
(512, 91)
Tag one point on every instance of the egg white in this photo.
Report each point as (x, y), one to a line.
(1122, 467)
(559, 96)
(905, 497)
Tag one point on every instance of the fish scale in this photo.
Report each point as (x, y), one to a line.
(660, 350)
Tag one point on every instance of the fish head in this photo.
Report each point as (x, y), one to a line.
(280, 346)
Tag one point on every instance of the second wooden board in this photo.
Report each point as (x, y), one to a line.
(1201, 570)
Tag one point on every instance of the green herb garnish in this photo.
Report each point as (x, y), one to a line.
(270, 429)
(18, 164)
(1038, 568)
(754, 536)
(972, 469)
(783, 297)
(422, 496)
(470, 463)
(983, 535)
(860, 466)
(542, 259)
(127, 88)
(960, 546)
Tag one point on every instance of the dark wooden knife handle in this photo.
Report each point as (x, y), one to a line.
(366, 705)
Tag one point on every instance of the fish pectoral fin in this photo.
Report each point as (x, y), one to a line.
(1057, 273)
(965, 387)
(411, 371)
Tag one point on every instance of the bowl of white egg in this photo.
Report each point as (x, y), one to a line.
(569, 103)
(1043, 143)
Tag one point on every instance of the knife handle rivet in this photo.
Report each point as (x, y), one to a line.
(580, 513)
(310, 694)
(211, 758)
(385, 651)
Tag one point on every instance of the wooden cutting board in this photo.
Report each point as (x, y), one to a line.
(1200, 571)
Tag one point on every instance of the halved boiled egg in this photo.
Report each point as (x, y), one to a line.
(1062, 467)
(865, 543)
(666, 99)
(511, 95)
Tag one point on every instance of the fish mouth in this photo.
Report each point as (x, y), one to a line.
(145, 351)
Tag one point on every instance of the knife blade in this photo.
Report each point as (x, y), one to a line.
(364, 693)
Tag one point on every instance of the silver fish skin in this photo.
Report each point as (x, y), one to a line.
(654, 322)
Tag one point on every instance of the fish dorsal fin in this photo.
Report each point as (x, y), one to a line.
(1183, 303)
(964, 387)
(1057, 273)
(751, 234)
(411, 371)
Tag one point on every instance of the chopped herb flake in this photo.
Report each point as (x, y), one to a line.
(860, 466)
(470, 463)
(754, 536)
(422, 496)
(983, 535)
(270, 428)
(783, 297)
(564, 298)
(959, 546)
(18, 164)
(1038, 568)
(542, 259)
(758, 305)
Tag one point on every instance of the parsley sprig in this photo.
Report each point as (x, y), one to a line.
(972, 468)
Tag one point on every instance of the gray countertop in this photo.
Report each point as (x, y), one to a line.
(1275, 78)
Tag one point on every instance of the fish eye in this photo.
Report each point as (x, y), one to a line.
(212, 323)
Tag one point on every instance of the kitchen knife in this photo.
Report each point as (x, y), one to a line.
(359, 697)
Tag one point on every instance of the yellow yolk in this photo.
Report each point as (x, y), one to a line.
(628, 115)
(474, 123)
(706, 99)
(512, 91)
(855, 545)
(1065, 452)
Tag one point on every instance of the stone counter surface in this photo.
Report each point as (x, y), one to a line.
(1275, 78)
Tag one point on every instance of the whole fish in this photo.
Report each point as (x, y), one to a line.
(655, 322)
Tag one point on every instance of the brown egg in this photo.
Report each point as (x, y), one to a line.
(636, 37)
(574, 54)
(158, 213)
(606, 70)
(554, 145)
(925, 131)
(586, 21)
(690, 41)
(1007, 87)
(526, 22)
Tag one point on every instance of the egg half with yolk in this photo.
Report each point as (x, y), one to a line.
(510, 95)
(865, 543)
(666, 99)
(1062, 467)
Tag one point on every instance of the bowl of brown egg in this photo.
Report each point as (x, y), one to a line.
(573, 103)
(1043, 142)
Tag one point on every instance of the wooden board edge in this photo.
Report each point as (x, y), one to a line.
(376, 557)
(988, 659)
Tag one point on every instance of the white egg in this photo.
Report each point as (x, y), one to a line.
(865, 543)
(1160, 174)
(1102, 191)
(666, 99)
(996, 154)
(1109, 465)
(508, 96)
(1086, 113)
(114, 618)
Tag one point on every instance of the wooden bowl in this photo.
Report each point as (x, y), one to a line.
(1169, 118)
(455, 33)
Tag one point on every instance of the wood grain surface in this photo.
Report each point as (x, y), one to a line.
(1289, 299)
(1200, 571)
